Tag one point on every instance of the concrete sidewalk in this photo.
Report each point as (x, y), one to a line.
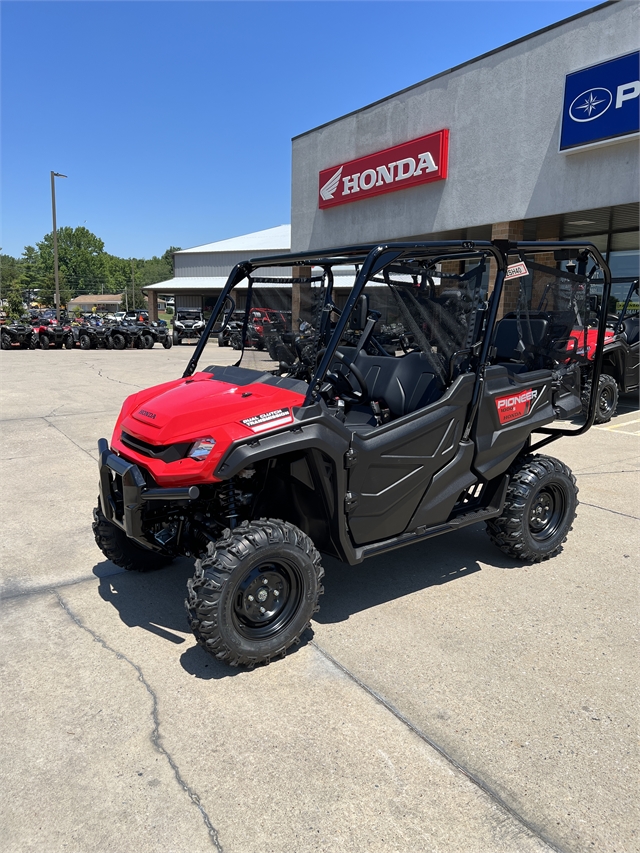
(448, 700)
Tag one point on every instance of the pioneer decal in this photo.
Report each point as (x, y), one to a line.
(269, 420)
(515, 406)
(419, 161)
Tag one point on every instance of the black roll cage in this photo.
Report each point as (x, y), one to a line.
(372, 258)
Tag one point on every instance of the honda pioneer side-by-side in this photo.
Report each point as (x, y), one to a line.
(360, 447)
(621, 357)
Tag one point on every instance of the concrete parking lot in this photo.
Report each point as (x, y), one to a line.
(448, 699)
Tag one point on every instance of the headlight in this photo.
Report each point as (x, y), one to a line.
(202, 448)
(178, 325)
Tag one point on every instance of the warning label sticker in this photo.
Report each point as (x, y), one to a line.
(269, 420)
(516, 271)
(515, 406)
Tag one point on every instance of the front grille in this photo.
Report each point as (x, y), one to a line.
(165, 452)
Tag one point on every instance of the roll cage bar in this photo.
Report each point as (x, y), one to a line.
(372, 258)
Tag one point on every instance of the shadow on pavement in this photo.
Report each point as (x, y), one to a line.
(154, 601)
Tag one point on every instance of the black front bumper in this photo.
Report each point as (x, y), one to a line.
(124, 492)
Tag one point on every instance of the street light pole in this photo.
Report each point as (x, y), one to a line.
(55, 175)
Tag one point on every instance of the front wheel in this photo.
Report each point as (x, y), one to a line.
(85, 342)
(43, 342)
(167, 343)
(148, 341)
(607, 401)
(177, 339)
(124, 552)
(539, 509)
(119, 341)
(254, 592)
(68, 342)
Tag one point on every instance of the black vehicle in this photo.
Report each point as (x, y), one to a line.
(127, 334)
(187, 325)
(15, 334)
(153, 333)
(89, 335)
(356, 450)
(621, 359)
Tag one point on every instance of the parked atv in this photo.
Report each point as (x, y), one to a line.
(91, 336)
(152, 333)
(126, 335)
(49, 332)
(187, 325)
(15, 334)
(621, 359)
(355, 451)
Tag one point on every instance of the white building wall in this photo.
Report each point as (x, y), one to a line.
(503, 112)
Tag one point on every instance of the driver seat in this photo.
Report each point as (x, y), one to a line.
(403, 384)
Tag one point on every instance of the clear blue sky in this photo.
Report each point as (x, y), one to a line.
(173, 120)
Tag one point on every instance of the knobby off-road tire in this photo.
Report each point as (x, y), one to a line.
(607, 401)
(68, 342)
(124, 552)
(148, 341)
(85, 342)
(5, 342)
(43, 342)
(119, 341)
(539, 510)
(228, 592)
(167, 343)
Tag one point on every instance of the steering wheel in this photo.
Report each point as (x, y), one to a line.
(336, 378)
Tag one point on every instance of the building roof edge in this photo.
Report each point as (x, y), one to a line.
(458, 67)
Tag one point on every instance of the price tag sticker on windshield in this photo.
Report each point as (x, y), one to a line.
(517, 270)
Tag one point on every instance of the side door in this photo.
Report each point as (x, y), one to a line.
(392, 466)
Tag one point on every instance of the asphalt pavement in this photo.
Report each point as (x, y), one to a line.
(448, 699)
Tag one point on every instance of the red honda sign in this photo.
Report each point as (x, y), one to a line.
(417, 162)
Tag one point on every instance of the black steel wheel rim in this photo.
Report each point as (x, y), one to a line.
(267, 599)
(606, 400)
(547, 512)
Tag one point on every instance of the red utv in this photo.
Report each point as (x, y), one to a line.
(359, 448)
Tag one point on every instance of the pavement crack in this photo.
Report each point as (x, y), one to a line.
(605, 509)
(83, 449)
(119, 381)
(475, 780)
(155, 736)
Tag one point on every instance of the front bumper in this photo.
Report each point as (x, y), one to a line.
(124, 492)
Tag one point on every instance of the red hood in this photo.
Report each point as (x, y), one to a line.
(592, 339)
(199, 407)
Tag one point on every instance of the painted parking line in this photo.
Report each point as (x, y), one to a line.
(622, 426)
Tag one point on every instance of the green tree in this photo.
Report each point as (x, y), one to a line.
(9, 272)
(15, 307)
(31, 273)
(81, 259)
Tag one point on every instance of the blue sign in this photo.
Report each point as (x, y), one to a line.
(601, 102)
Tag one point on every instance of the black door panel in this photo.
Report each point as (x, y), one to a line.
(395, 463)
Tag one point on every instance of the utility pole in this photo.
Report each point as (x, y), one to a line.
(133, 287)
(55, 175)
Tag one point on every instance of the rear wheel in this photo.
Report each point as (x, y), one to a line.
(167, 343)
(68, 342)
(148, 341)
(124, 552)
(43, 342)
(6, 343)
(254, 592)
(119, 341)
(539, 509)
(607, 401)
(222, 341)
(85, 342)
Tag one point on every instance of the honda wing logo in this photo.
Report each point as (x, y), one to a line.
(331, 186)
(590, 105)
(409, 164)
